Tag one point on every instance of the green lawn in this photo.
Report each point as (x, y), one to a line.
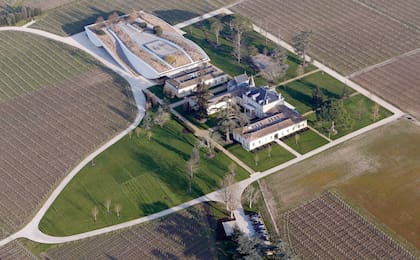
(352, 105)
(222, 56)
(299, 92)
(144, 177)
(306, 142)
(158, 91)
(210, 123)
(278, 156)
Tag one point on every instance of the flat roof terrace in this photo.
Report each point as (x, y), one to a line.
(160, 48)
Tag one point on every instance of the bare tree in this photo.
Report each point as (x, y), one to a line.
(130, 134)
(95, 212)
(297, 137)
(192, 168)
(361, 109)
(228, 193)
(108, 205)
(251, 195)
(240, 25)
(230, 118)
(269, 150)
(161, 117)
(118, 209)
(133, 16)
(256, 159)
(276, 67)
(375, 112)
(216, 27)
(300, 43)
(232, 168)
(149, 135)
(137, 131)
(147, 122)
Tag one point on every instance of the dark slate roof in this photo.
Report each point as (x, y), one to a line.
(262, 95)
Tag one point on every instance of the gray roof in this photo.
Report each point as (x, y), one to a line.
(263, 95)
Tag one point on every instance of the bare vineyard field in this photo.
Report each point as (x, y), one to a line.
(45, 5)
(398, 82)
(29, 62)
(45, 134)
(71, 18)
(184, 235)
(14, 250)
(56, 106)
(405, 11)
(347, 35)
(377, 172)
(326, 228)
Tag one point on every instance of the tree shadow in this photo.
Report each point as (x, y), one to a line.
(193, 230)
(77, 26)
(174, 16)
(150, 208)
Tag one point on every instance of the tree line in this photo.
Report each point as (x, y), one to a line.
(12, 15)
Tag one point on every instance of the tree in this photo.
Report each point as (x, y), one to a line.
(231, 117)
(232, 168)
(297, 137)
(108, 205)
(229, 193)
(269, 151)
(317, 97)
(375, 112)
(334, 111)
(216, 27)
(95, 212)
(147, 122)
(300, 43)
(137, 131)
(252, 51)
(210, 140)
(277, 67)
(133, 16)
(361, 109)
(158, 30)
(251, 195)
(118, 209)
(161, 117)
(113, 18)
(201, 97)
(240, 25)
(130, 134)
(193, 165)
(256, 159)
(149, 135)
(250, 247)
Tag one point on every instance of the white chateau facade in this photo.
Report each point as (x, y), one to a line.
(272, 117)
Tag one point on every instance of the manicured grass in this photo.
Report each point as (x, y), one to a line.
(158, 91)
(278, 156)
(222, 56)
(352, 104)
(306, 142)
(299, 93)
(210, 122)
(144, 177)
(377, 173)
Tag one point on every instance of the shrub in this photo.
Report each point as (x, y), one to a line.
(170, 59)
(158, 30)
(100, 32)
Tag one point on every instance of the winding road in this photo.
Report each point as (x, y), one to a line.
(31, 230)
